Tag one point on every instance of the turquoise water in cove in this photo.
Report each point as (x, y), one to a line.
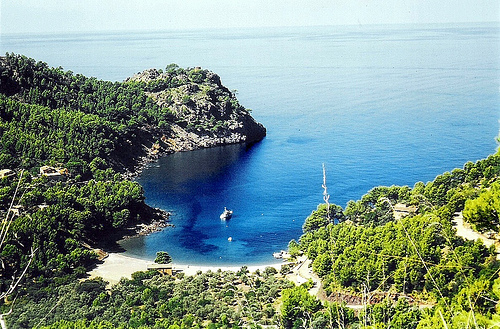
(378, 105)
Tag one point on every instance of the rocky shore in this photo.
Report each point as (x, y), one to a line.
(156, 225)
(158, 220)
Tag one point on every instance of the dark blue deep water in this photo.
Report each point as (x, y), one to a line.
(379, 105)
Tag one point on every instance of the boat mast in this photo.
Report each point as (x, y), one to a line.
(326, 196)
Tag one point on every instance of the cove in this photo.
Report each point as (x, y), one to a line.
(377, 105)
(195, 187)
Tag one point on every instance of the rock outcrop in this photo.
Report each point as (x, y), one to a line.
(205, 112)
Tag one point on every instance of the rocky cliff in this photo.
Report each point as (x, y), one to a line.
(205, 113)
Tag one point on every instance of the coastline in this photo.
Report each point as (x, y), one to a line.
(183, 141)
(117, 265)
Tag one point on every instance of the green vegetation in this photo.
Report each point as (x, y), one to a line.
(162, 257)
(483, 211)
(150, 300)
(298, 306)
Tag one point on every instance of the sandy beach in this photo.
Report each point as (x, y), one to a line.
(117, 266)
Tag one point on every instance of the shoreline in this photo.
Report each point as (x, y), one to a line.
(157, 220)
(117, 265)
(152, 155)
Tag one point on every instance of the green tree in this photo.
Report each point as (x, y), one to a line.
(483, 212)
(163, 257)
(298, 307)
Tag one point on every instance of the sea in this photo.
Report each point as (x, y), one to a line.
(376, 105)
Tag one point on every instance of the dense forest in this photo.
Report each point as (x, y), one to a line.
(390, 260)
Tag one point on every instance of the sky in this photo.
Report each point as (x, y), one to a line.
(46, 16)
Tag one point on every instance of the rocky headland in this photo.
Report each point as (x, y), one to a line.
(200, 112)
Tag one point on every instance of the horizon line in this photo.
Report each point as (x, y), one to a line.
(150, 30)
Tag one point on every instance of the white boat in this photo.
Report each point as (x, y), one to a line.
(227, 214)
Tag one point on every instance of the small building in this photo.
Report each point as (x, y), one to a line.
(53, 173)
(4, 173)
(101, 254)
(402, 210)
(16, 210)
(43, 206)
(162, 268)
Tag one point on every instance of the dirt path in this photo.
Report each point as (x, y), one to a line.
(464, 230)
(302, 273)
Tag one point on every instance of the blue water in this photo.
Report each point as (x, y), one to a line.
(379, 105)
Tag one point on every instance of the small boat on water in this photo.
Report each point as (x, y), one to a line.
(227, 214)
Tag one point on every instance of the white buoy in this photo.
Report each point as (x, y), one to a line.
(230, 239)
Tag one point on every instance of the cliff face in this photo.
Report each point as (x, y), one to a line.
(204, 112)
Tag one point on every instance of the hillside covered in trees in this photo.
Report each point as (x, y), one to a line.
(51, 116)
(409, 271)
(396, 249)
(390, 260)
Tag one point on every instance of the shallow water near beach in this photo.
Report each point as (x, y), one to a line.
(378, 105)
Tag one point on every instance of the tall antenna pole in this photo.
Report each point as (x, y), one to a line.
(326, 196)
